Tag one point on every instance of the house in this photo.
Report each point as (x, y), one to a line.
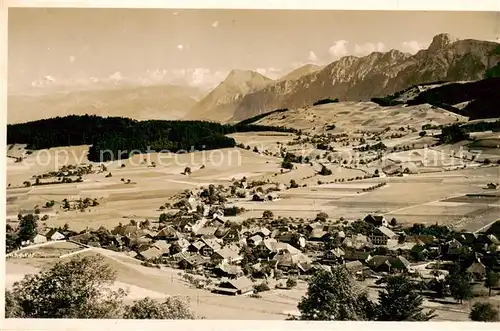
(315, 225)
(354, 266)
(334, 254)
(265, 248)
(286, 260)
(196, 246)
(39, 238)
(192, 203)
(162, 245)
(465, 238)
(423, 240)
(492, 186)
(356, 256)
(226, 255)
(150, 253)
(280, 247)
(400, 264)
(477, 269)
(272, 196)
(209, 247)
(381, 235)
(53, 234)
(357, 242)
(254, 240)
(181, 245)
(376, 220)
(263, 232)
(257, 197)
(192, 262)
(227, 270)
(198, 225)
(206, 232)
(239, 286)
(319, 235)
(168, 233)
(290, 237)
(380, 263)
(216, 223)
(454, 247)
(229, 235)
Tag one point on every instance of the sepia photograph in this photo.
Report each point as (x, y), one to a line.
(252, 164)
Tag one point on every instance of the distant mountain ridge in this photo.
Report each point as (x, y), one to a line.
(137, 102)
(219, 104)
(378, 74)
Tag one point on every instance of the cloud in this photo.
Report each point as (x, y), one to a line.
(72, 59)
(368, 48)
(117, 76)
(215, 24)
(312, 57)
(412, 46)
(180, 46)
(271, 72)
(339, 49)
(175, 13)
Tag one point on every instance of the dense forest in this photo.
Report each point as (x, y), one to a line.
(483, 98)
(260, 116)
(117, 134)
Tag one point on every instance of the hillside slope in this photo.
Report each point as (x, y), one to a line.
(377, 74)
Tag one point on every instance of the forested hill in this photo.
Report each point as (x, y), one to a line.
(117, 134)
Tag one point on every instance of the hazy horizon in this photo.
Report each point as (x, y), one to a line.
(200, 47)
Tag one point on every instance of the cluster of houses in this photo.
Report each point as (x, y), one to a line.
(209, 244)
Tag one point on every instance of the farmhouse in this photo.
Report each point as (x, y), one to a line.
(150, 253)
(39, 238)
(376, 220)
(381, 235)
(334, 254)
(226, 255)
(227, 270)
(53, 234)
(240, 286)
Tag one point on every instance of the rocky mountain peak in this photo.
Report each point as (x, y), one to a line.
(440, 41)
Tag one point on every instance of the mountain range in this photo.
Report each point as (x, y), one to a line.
(361, 78)
(245, 93)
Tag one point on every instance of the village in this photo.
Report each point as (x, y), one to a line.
(199, 232)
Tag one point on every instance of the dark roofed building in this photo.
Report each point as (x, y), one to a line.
(240, 286)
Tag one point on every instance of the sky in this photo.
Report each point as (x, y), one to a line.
(200, 47)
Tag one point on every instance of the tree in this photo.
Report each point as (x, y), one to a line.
(291, 283)
(459, 284)
(484, 312)
(322, 217)
(394, 222)
(27, 227)
(187, 171)
(293, 183)
(422, 133)
(491, 280)
(325, 171)
(399, 301)
(171, 308)
(267, 214)
(332, 296)
(78, 288)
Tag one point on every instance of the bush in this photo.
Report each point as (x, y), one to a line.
(291, 283)
(262, 287)
(422, 133)
(484, 312)
(325, 101)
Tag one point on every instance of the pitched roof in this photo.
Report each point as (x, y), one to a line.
(242, 283)
(212, 243)
(356, 255)
(52, 232)
(354, 266)
(229, 269)
(386, 231)
(255, 238)
(151, 253)
(228, 253)
(378, 260)
(317, 233)
(337, 252)
(161, 245)
(285, 247)
(265, 231)
(206, 231)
